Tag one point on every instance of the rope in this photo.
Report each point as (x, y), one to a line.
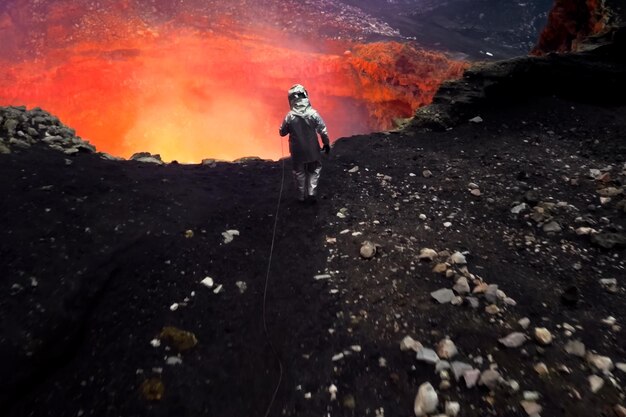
(267, 279)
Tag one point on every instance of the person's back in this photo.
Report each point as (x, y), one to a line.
(303, 123)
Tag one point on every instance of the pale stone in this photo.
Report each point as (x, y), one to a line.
(426, 400)
(490, 378)
(543, 335)
(595, 383)
(461, 286)
(427, 355)
(514, 340)
(427, 254)
(440, 268)
(452, 409)
(446, 349)
(492, 309)
(542, 369)
(575, 347)
(408, 343)
(443, 295)
(471, 377)
(458, 258)
(601, 363)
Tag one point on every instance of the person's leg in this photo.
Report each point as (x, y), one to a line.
(300, 179)
(314, 169)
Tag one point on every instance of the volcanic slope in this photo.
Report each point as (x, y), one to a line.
(99, 256)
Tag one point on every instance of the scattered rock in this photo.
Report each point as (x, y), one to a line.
(443, 296)
(440, 268)
(459, 368)
(458, 258)
(446, 349)
(492, 309)
(490, 379)
(368, 250)
(426, 400)
(427, 355)
(229, 235)
(609, 240)
(178, 339)
(471, 377)
(462, 286)
(476, 193)
(595, 383)
(332, 390)
(601, 363)
(427, 173)
(408, 343)
(427, 254)
(543, 336)
(353, 170)
(152, 389)
(541, 369)
(514, 340)
(242, 286)
(520, 208)
(491, 294)
(173, 361)
(207, 282)
(576, 348)
(452, 409)
(552, 227)
(531, 408)
(476, 119)
(524, 323)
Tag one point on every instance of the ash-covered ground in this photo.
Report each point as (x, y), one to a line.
(102, 257)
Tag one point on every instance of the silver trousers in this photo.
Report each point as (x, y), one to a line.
(307, 177)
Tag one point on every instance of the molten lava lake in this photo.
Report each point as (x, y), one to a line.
(193, 87)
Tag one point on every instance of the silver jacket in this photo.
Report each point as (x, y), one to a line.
(303, 123)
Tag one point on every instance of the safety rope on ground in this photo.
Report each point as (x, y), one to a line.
(267, 279)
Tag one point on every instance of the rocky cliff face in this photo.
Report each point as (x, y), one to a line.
(572, 22)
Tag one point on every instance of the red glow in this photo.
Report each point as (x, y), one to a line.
(189, 94)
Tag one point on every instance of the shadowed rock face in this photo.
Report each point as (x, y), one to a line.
(597, 74)
(571, 22)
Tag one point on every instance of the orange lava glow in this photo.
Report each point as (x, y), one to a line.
(190, 94)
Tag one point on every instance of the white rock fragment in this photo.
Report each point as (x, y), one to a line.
(207, 282)
(408, 343)
(426, 400)
(452, 408)
(174, 360)
(476, 119)
(513, 340)
(519, 208)
(531, 395)
(338, 357)
(601, 363)
(446, 349)
(332, 390)
(443, 296)
(218, 289)
(427, 254)
(427, 355)
(155, 343)
(490, 378)
(458, 258)
(353, 170)
(174, 307)
(525, 322)
(321, 277)
(595, 383)
(229, 235)
(447, 225)
(576, 348)
(462, 286)
(543, 336)
(471, 377)
(459, 368)
(242, 286)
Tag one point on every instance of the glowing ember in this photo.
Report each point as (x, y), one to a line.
(180, 88)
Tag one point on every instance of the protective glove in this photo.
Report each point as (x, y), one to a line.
(326, 149)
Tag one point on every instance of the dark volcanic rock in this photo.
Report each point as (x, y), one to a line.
(598, 74)
(20, 128)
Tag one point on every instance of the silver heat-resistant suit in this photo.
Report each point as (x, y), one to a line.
(303, 123)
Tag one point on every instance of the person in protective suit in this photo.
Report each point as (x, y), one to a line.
(303, 123)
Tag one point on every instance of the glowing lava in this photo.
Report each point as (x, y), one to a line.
(186, 93)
